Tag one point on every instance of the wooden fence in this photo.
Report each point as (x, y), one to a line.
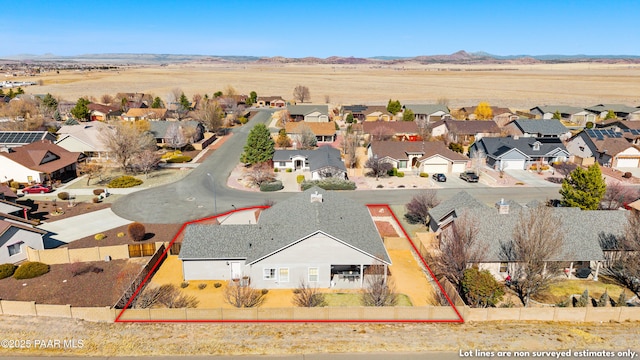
(98, 253)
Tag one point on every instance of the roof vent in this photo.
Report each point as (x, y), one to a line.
(502, 206)
(316, 197)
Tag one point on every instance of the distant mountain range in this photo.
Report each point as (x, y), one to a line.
(460, 57)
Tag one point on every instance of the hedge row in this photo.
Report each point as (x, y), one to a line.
(329, 184)
(271, 186)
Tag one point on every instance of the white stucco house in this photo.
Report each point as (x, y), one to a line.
(16, 235)
(323, 162)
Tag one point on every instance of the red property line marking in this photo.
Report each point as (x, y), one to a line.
(164, 254)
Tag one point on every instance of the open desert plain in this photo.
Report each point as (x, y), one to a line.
(515, 86)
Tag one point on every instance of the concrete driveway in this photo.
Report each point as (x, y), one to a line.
(532, 178)
(78, 227)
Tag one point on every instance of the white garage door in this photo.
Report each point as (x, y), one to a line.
(459, 167)
(629, 163)
(513, 164)
(436, 168)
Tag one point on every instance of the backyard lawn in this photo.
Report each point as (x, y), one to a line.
(562, 289)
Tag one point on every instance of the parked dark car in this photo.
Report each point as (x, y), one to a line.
(36, 189)
(439, 177)
(469, 176)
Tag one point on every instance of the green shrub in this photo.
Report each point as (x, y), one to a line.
(30, 269)
(120, 234)
(276, 170)
(7, 270)
(63, 195)
(400, 174)
(329, 184)
(271, 186)
(583, 301)
(201, 286)
(423, 174)
(300, 178)
(100, 236)
(242, 120)
(188, 147)
(124, 181)
(179, 159)
(136, 231)
(589, 125)
(97, 191)
(456, 147)
(217, 285)
(289, 170)
(14, 184)
(392, 172)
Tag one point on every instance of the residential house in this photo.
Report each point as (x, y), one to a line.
(309, 113)
(38, 162)
(570, 114)
(270, 101)
(192, 131)
(134, 100)
(6, 194)
(87, 138)
(323, 162)
(428, 112)
(397, 130)
(332, 242)
(99, 112)
(64, 108)
(135, 114)
(538, 128)
(362, 113)
(584, 231)
(325, 132)
(622, 112)
(468, 131)
(16, 235)
(506, 153)
(418, 156)
(12, 139)
(501, 116)
(608, 147)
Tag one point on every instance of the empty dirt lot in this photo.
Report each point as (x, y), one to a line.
(514, 86)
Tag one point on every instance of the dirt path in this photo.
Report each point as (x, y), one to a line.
(102, 339)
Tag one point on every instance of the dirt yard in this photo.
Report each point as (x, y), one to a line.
(514, 86)
(93, 284)
(108, 339)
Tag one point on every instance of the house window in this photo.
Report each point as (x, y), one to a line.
(282, 164)
(269, 274)
(313, 274)
(284, 274)
(403, 164)
(503, 267)
(15, 249)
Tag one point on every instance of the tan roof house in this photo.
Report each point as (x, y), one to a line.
(144, 114)
(324, 131)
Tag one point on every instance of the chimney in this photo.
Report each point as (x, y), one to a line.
(502, 206)
(316, 197)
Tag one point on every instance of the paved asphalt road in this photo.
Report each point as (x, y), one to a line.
(200, 195)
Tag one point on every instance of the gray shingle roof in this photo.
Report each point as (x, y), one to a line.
(563, 109)
(322, 157)
(495, 147)
(461, 200)
(617, 108)
(426, 109)
(284, 224)
(159, 128)
(542, 127)
(307, 109)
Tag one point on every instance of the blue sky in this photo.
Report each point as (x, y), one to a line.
(320, 28)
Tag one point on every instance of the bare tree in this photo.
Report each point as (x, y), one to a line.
(460, 248)
(350, 144)
(617, 195)
(301, 93)
(377, 166)
(167, 296)
(230, 91)
(125, 141)
(419, 206)
(625, 250)
(478, 159)
(307, 296)
(146, 161)
(378, 290)
(174, 136)
(534, 251)
(210, 115)
(91, 170)
(381, 133)
(243, 295)
(260, 173)
(327, 99)
(106, 99)
(305, 138)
